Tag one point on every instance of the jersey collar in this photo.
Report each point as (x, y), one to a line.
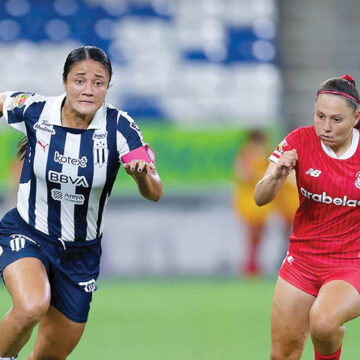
(349, 152)
(55, 119)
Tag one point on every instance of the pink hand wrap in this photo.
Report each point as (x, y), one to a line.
(145, 153)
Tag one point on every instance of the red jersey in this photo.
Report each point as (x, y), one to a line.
(327, 222)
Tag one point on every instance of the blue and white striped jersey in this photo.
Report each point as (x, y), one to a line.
(68, 173)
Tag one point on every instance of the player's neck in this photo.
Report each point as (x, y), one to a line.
(72, 119)
(342, 148)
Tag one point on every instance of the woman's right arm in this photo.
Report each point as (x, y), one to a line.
(3, 96)
(275, 175)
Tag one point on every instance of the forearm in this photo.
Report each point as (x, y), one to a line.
(267, 188)
(150, 186)
(3, 96)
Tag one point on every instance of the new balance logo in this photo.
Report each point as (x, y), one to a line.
(89, 286)
(313, 172)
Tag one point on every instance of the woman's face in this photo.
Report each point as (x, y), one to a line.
(86, 86)
(334, 120)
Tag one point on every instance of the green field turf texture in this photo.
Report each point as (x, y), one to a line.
(167, 319)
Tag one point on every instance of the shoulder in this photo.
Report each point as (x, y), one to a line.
(120, 114)
(301, 135)
(307, 131)
(125, 123)
(19, 99)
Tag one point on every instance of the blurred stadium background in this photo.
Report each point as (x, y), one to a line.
(198, 76)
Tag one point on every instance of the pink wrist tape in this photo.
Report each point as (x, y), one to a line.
(145, 153)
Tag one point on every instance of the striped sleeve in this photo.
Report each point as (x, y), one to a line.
(291, 141)
(129, 136)
(14, 109)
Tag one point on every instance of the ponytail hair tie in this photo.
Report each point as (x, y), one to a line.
(348, 78)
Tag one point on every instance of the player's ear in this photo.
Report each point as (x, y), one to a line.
(64, 85)
(357, 117)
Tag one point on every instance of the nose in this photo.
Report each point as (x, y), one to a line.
(327, 125)
(88, 90)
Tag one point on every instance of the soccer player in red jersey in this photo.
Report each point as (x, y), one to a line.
(318, 287)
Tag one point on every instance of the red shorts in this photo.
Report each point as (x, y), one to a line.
(310, 278)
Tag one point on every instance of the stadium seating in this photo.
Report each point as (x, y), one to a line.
(173, 60)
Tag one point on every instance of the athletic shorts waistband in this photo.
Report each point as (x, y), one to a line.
(83, 243)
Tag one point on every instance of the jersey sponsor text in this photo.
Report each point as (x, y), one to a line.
(45, 126)
(326, 199)
(59, 195)
(60, 178)
(62, 159)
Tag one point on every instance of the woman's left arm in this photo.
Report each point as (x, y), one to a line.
(146, 177)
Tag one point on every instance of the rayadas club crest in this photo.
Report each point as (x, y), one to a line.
(357, 180)
(101, 151)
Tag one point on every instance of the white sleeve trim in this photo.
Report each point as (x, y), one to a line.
(273, 159)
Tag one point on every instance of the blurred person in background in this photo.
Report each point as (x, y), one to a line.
(318, 287)
(250, 163)
(50, 243)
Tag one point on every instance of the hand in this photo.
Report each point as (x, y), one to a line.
(286, 163)
(139, 168)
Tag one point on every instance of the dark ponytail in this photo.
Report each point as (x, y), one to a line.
(21, 146)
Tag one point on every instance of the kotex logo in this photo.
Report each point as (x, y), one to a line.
(326, 199)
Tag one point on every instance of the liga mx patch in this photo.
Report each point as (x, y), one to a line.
(282, 145)
(19, 100)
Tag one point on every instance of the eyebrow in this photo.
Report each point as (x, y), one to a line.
(97, 75)
(334, 115)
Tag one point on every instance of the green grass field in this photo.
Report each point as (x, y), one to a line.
(172, 319)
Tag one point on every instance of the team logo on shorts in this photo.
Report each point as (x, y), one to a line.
(282, 145)
(101, 151)
(17, 242)
(357, 180)
(1, 250)
(89, 286)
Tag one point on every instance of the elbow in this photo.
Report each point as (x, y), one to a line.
(259, 202)
(157, 197)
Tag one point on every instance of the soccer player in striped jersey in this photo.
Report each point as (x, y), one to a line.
(319, 281)
(50, 243)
